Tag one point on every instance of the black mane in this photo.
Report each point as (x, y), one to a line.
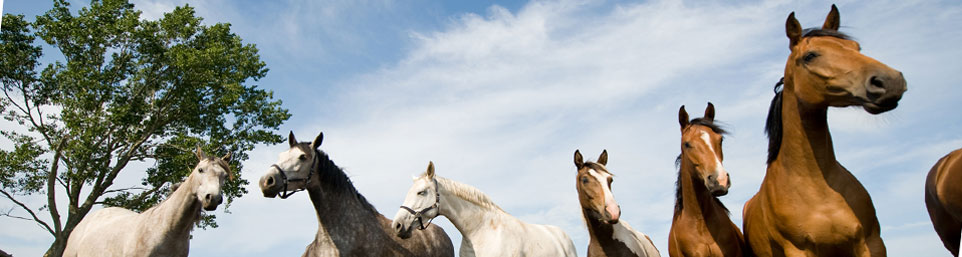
(333, 177)
(773, 124)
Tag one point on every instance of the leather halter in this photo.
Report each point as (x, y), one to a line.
(284, 194)
(420, 214)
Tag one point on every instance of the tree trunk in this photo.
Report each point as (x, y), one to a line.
(56, 249)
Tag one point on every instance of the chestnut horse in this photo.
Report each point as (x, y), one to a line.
(808, 204)
(700, 225)
(348, 225)
(609, 235)
(943, 198)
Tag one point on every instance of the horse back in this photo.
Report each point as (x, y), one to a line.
(99, 233)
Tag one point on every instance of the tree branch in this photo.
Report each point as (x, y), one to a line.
(24, 207)
(52, 186)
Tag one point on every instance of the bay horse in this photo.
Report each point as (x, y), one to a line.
(486, 229)
(808, 204)
(610, 236)
(943, 198)
(162, 230)
(348, 225)
(700, 225)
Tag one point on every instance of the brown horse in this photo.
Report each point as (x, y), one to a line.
(700, 225)
(609, 235)
(808, 204)
(943, 198)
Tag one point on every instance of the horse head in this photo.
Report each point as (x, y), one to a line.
(420, 205)
(208, 177)
(827, 68)
(594, 189)
(293, 170)
(701, 150)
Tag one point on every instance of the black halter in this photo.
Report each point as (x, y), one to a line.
(284, 194)
(419, 214)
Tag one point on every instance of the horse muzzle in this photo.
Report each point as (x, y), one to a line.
(883, 92)
(211, 201)
(269, 185)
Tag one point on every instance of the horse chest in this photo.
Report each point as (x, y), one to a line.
(831, 221)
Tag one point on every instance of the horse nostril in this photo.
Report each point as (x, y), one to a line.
(876, 86)
(711, 178)
(270, 182)
(207, 197)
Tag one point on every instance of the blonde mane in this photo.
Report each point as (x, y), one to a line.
(468, 193)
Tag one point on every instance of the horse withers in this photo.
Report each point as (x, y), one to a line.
(348, 225)
(700, 225)
(162, 230)
(610, 236)
(808, 204)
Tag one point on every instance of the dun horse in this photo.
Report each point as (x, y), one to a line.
(700, 225)
(943, 198)
(487, 230)
(163, 230)
(808, 204)
(609, 235)
(348, 224)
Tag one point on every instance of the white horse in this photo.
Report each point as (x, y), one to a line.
(485, 228)
(163, 230)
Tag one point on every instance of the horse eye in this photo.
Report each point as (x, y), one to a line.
(809, 56)
(423, 193)
(584, 180)
(687, 145)
(302, 157)
(200, 170)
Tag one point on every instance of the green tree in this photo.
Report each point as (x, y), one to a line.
(122, 90)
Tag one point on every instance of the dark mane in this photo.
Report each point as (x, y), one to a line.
(818, 32)
(714, 128)
(598, 167)
(773, 124)
(333, 177)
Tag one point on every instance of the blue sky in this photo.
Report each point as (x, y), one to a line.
(500, 94)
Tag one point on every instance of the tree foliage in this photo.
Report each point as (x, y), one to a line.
(123, 89)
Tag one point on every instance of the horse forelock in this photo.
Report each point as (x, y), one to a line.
(468, 193)
(598, 167)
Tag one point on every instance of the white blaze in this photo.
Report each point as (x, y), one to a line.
(722, 174)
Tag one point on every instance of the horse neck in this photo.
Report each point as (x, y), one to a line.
(337, 208)
(178, 213)
(695, 198)
(466, 215)
(806, 147)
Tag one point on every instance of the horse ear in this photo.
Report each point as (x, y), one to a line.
(579, 161)
(793, 30)
(832, 21)
(226, 157)
(291, 140)
(710, 112)
(682, 117)
(200, 153)
(430, 172)
(318, 140)
(603, 159)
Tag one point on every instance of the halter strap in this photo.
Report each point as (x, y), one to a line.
(420, 214)
(284, 194)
